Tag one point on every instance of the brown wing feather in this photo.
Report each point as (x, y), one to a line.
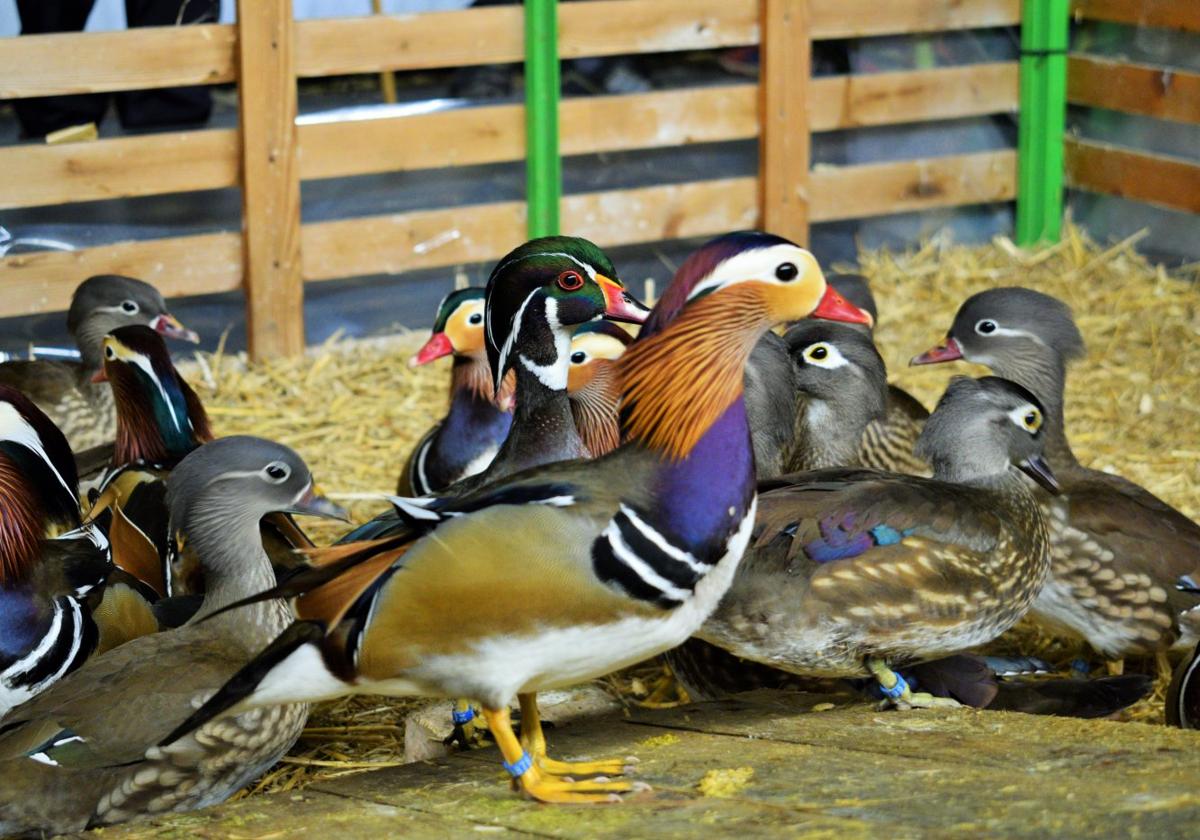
(329, 602)
(135, 553)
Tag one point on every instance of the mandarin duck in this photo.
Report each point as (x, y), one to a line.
(83, 753)
(64, 389)
(889, 441)
(466, 440)
(572, 570)
(594, 386)
(1117, 551)
(50, 564)
(854, 571)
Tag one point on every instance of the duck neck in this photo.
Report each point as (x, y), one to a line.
(227, 540)
(159, 421)
(1044, 374)
(89, 339)
(828, 434)
(543, 430)
(595, 408)
(692, 417)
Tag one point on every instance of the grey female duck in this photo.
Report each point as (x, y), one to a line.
(1117, 550)
(64, 390)
(83, 753)
(852, 571)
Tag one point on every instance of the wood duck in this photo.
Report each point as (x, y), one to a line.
(889, 441)
(572, 570)
(1183, 695)
(594, 385)
(49, 563)
(466, 440)
(83, 753)
(64, 390)
(854, 571)
(1117, 550)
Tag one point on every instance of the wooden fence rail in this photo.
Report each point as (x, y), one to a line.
(268, 156)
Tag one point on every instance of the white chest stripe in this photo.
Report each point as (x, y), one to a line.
(674, 552)
(639, 567)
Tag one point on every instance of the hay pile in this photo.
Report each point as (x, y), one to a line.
(355, 409)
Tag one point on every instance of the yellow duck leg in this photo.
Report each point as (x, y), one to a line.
(534, 741)
(468, 734)
(898, 693)
(539, 785)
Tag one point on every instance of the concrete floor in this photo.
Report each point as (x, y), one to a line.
(768, 764)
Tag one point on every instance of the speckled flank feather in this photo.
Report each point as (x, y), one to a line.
(698, 393)
(888, 443)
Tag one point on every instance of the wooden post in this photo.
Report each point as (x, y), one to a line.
(784, 140)
(270, 178)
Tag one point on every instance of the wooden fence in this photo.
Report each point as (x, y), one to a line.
(1147, 90)
(268, 156)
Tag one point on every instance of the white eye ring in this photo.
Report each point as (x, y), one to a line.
(987, 327)
(130, 307)
(276, 472)
(824, 355)
(1020, 418)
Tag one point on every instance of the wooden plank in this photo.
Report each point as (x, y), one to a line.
(863, 18)
(1166, 14)
(428, 238)
(838, 102)
(94, 62)
(1133, 88)
(495, 35)
(785, 139)
(270, 178)
(121, 167)
(187, 265)
(876, 189)
(1141, 176)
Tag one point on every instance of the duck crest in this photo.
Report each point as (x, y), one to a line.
(159, 417)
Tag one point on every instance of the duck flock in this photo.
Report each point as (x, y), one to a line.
(727, 479)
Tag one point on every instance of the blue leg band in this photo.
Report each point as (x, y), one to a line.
(897, 691)
(465, 716)
(521, 767)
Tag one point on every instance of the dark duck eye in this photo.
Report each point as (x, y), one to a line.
(109, 352)
(818, 353)
(985, 327)
(129, 307)
(787, 272)
(578, 357)
(477, 318)
(570, 281)
(277, 472)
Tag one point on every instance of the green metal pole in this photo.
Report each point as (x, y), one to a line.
(543, 167)
(1043, 116)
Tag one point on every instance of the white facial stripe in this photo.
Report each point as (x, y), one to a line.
(591, 272)
(833, 358)
(143, 362)
(553, 375)
(515, 328)
(16, 428)
(758, 264)
(1008, 332)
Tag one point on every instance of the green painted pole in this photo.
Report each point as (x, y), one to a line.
(1043, 117)
(543, 167)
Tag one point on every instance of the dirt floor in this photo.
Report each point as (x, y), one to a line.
(772, 765)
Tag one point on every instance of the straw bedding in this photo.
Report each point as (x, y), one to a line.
(355, 409)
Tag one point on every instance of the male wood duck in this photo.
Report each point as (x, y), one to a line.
(64, 390)
(572, 570)
(49, 563)
(466, 440)
(1117, 550)
(161, 420)
(1183, 695)
(83, 753)
(594, 385)
(854, 571)
(889, 441)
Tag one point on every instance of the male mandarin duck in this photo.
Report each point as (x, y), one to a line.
(569, 571)
(1117, 551)
(49, 563)
(889, 441)
(853, 571)
(466, 440)
(83, 753)
(64, 390)
(594, 385)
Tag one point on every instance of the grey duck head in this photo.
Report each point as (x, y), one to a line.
(107, 302)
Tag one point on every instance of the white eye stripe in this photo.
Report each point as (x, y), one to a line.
(832, 358)
(1007, 332)
(756, 264)
(16, 428)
